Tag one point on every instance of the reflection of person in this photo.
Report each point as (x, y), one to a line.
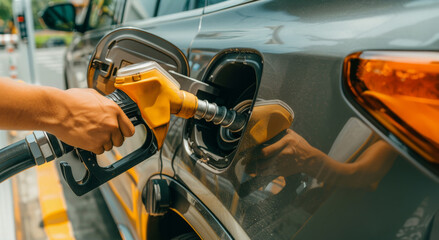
(288, 153)
(79, 117)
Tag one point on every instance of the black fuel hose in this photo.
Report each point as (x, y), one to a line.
(15, 158)
(36, 149)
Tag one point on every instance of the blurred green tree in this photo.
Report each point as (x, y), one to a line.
(5, 9)
(37, 7)
(5, 14)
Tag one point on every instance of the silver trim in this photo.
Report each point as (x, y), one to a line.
(201, 109)
(219, 121)
(61, 146)
(193, 85)
(50, 145)
(44, 144)
(35, 150)
(220, 115)
(211, 112)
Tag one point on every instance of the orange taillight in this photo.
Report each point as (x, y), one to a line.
(401, 91)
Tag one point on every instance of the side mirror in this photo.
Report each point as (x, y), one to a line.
(60, 17)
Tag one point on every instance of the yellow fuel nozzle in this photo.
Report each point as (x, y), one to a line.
(158, 95)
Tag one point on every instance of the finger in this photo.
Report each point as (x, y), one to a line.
(125, 125)
(275, 148)
(108, 146)
(278, 137)
(98, 151)
(117, 138)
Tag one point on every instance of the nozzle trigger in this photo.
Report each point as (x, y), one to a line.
(97, 175)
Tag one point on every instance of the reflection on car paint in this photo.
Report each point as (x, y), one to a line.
(278, 174)
(302, 44)
(124, 187)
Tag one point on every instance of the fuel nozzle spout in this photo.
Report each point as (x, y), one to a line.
(220, 115)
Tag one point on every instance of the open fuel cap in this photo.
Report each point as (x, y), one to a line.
(127, 46)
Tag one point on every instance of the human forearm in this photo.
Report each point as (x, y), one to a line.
(79, 117)
(366, 171)
(30, 107)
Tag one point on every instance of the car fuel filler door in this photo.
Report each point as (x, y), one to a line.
(127, 46)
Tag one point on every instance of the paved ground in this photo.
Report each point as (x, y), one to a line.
(49, 63)
(88, 216)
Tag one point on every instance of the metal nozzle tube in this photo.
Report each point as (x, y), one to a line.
(227, 118)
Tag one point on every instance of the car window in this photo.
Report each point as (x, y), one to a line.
(103, 13)
(171, 6)
(211, 2)
(143, 9)
(140, 9)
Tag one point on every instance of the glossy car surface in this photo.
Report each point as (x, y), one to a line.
(336, 173)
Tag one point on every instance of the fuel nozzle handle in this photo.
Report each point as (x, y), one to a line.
(45, 147)
(128, 106)
(40, 147)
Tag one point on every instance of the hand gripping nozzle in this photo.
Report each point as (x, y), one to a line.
(97, 175)
(148, 95)
(149, 99)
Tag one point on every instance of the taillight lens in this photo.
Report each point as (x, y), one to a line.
(401, 91)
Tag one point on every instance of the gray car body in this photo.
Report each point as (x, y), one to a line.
(302, 45)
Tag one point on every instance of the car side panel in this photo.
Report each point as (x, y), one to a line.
(303, 45)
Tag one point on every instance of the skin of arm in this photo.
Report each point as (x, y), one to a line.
(289, 153)
(79, 117)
